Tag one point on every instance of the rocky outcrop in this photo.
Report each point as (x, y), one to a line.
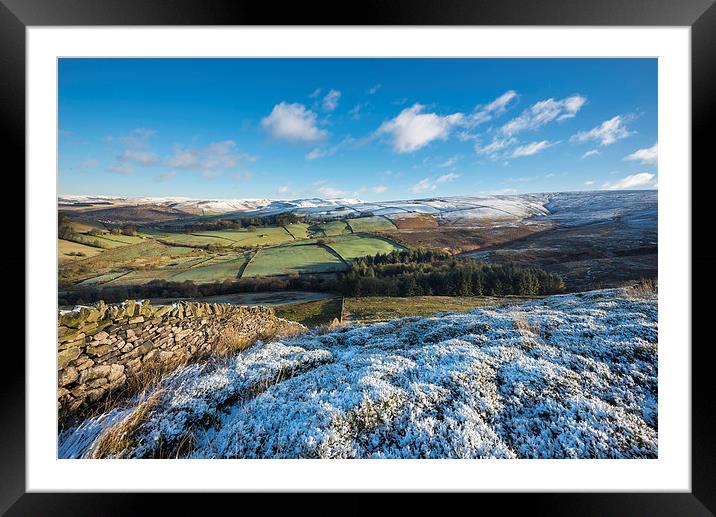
(102, 346)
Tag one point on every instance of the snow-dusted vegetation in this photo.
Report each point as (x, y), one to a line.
(571, 376)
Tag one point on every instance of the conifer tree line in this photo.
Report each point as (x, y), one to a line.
(281, 219)
(426, 272)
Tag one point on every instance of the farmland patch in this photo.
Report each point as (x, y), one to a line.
(353, 246)
(68, 250)
(371, 224)
(286, 260)
(214, 272)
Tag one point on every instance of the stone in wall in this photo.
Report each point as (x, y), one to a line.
(99, 348)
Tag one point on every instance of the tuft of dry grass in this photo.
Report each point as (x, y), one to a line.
(334, 324)
(523, 325)
(530, 332)
(151, 375)
(644, 288)
(231, 342)
(186, 445)
(119, 437)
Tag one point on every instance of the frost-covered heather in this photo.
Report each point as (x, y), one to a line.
(571, 376)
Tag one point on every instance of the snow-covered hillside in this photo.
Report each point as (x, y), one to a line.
(571, 376)
(210, 206)
(562, 207)
(575, 208)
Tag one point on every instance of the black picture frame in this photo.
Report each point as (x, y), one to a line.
(700, 15)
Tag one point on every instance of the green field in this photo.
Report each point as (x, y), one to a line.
(285, 260)
(190, 239)
(64, 247)
(298, 230)
(102, 279)
(223, 257)
(94, 241)
(152, 233)
(216, 272)
(269, 236)
(141, 276)
(85, 226)
(352, 246)
(331, 228)
(182, 263)
(320, 312)
(143, 250)
(149, 254)
(371, 224)
(120, 240)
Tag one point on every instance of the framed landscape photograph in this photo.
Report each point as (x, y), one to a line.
(437, 250)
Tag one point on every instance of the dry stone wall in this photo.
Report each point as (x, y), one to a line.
(102, 346)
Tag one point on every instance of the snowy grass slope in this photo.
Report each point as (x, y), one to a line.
(571, 376)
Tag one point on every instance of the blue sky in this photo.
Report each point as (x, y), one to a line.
(373, 129)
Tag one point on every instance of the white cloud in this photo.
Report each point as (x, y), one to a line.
(330, 101)
(589, 183)
(445, 178)
(210, 160)
(640, 180)
(321, 152)
(379, 189)
(496, 145)
(354, 112)
(283, 189)
(544, 112)
(136, 148)
(466, 136)
(315, 93)
(137, 138)
(412, 129)
(122, 168)
(495, 108)
(605, 133)
(373, 89)
(423, 185)
(144, 158)
(648, 156)
(428, 185)
(331, 192)
(592, 152)
(449, 162)
(531, 148)
(293, 122)
(316, 153)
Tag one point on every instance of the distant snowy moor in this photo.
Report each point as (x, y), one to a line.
(564, 207)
